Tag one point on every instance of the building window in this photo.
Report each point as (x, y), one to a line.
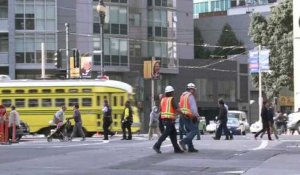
(207, 93)
(6, 102)
(135, 19)
(135, 49)
(24, 21)
(73, 101)
(226, 90)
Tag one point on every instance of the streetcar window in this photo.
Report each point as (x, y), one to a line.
(73, 90)
(20, 91)
(33, 91)
(46, 90)
(115, 101)
(86, 90)
(6, 102)
(122, 101)
(59, 90)
(46, 102)
(20, 103)
(33, 103)
(59, 102)
(98, 100)
(6, 91)
(86, 102)
(73, 101)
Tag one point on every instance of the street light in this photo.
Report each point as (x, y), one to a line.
(101, 9)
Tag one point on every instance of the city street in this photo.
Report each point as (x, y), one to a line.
(243, 155)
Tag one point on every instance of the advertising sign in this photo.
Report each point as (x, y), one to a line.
(86, 67)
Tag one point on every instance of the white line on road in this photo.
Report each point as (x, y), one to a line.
(85, 144)
(263, 145)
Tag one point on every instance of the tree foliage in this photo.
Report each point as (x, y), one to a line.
(199, 49)
(228, 38)
(276, 34)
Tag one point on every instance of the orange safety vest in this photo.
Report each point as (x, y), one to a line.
(184, 104)
(167, 109)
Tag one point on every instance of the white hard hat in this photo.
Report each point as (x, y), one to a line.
(191, 86)
(169, 89)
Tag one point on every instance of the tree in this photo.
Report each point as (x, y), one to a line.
(276, 34)
(200, 50)
(229, 42)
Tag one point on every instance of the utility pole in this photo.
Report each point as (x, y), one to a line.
(67, 51)
(259, 83)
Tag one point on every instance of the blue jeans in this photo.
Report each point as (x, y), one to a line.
(191, 129)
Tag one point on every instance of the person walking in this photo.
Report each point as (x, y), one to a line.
(222, 118)
(168, 109)
(59, 117)
(14, 119)
(127, 120)
(154, 122)
(78, 123)
(107, 120)
(190, 117)
(265, 121)
(271, 122)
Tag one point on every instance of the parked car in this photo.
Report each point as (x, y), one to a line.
(234, 125)
(239, 115)
(293, 121)
(255, 127)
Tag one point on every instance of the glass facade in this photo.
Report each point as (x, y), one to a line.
(35, 22)
(116, 23)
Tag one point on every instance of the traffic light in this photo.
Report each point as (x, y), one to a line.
(76, 57)
(57, 59)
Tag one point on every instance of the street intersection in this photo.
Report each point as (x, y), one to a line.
(243, 155)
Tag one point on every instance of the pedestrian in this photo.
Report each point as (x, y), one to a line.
(59, 117)
(189, 108)
(161, 126)
(153, 122)
(14, 119)
(126, 121)
(107, 120)
(168, 109)
(78, 123)
(271, 122)
(265, 120)
(222, 119)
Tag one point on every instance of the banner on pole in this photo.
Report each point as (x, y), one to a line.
(253, 61)
(262, 63)
(264, 60)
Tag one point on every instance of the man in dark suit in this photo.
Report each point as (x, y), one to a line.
(222, 118)
(265, 120)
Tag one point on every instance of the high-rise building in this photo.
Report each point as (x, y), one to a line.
(135, 30)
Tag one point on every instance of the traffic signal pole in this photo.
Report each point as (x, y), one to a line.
(67, 51)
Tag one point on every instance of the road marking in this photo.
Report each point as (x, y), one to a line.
(232, 172)
(263, 145)
(85, 144)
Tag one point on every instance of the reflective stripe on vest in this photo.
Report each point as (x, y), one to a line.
(184, 104)
(167, 109)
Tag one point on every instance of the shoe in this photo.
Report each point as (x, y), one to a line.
(156, 150)
(231, 138)
(105, 139)
(83, 139)
(179, 151)
(193, 150)
(123, 139)
(112, 134)
(129, 139)
(215, 138)
(182, 145)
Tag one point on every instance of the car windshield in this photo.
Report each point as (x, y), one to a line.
(233, 115)
(232, 121)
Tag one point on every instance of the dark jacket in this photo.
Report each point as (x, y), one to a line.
(222, 114)
(127, 118)
(264, 115)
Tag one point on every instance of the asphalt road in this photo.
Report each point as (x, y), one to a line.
(243, 155)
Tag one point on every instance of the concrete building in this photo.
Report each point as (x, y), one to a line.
(135, 31)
